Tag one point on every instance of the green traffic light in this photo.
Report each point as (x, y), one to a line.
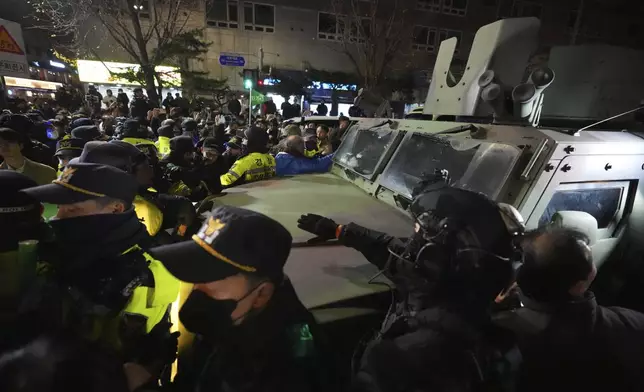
(248, 83)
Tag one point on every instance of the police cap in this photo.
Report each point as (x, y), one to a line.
(234, 143)
(232, 240)
(71, 147)
(181, 144)
(86, 132)
(166, 131)
(79, 122)
(18, 122)
(11, 199)
(116, 153)
(86, 181)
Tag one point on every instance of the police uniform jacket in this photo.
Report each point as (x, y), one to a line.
(253, 167)
(92, 273)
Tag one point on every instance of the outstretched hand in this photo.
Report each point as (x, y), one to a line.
(323, 227)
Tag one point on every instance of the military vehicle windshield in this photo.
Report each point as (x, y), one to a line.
(362, 150)
(472, 164)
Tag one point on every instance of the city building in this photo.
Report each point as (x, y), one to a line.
(295, 36)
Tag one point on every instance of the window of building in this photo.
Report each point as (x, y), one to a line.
(259, 17)
(523, 9)
(360, 31)
(424, 39)
(602, 203)
(455, 7)
(429, 5)
(330, 27)
(447, 34)
(223, 13)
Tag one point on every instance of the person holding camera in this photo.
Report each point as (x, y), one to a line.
(437, 334)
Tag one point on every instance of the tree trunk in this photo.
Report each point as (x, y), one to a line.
(150, 87)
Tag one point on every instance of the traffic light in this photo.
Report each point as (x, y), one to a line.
(250, 78)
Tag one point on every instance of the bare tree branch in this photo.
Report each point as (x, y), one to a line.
(160, 38)
(372, 36)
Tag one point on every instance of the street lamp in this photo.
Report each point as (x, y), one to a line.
(249, 85)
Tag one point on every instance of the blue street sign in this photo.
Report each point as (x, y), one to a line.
(231, 60)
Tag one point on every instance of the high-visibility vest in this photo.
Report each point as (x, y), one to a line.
(153, 302)
(163, 145)
(149, 214)
(253, 167)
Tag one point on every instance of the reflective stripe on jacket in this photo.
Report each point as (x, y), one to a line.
(253, 167)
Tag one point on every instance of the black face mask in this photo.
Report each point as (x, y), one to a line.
(209, 317)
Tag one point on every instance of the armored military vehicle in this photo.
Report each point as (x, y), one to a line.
(514, 133)
(497, 143)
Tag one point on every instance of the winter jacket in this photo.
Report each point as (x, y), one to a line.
(288, 164)
(582, 346)
(278, 350)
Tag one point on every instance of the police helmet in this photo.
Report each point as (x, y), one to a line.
(463, 242)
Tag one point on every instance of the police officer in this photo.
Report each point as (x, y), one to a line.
(166, 132)
(87, 133)
(257, 165)
(67, 149)
(78, 122)
(253, 333)
(137, 134)
(446, 275)
(568, 341)
(113, 290)
(183, 170)
(21, 228)
(159, 212)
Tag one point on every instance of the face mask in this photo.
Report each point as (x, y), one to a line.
(204, 315)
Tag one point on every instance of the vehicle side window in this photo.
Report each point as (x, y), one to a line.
(601, 203)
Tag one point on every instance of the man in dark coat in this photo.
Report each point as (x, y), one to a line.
(568, 341)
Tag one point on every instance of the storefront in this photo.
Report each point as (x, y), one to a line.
(317, 92)
(30, 89)
(104, 76)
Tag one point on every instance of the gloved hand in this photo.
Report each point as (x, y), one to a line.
(323, 227)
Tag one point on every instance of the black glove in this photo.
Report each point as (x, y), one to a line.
(323, 227)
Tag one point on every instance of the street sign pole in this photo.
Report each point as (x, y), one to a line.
(250, 106)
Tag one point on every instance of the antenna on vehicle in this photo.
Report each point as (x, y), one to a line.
(578, 132)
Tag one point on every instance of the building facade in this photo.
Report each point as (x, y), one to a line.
(295, 35)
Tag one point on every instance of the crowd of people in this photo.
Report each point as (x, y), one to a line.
(88, 297)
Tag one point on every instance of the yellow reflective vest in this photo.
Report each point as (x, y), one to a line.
(154, 302)
(149, 214)
(163, 145)
(150, 304)
(253, 167)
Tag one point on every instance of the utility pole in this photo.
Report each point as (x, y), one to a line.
(578, 22)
